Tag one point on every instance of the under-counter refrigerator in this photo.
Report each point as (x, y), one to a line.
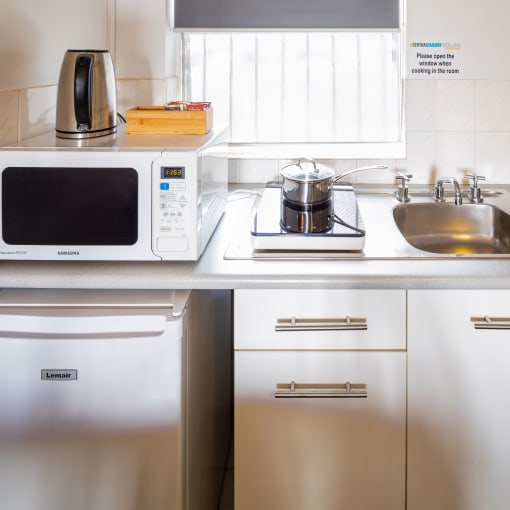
(114, 400)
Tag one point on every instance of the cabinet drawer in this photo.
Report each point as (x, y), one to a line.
(319, 319)
(327, 452)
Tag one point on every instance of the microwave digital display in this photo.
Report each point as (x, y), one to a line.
(172, 172)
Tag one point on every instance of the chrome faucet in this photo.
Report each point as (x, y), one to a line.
(439, 190)
(402, 192)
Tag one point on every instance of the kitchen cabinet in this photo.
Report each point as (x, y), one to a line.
(458, 393)
(319, 399)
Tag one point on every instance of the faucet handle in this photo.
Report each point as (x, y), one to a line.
(402, 193)
(475, 178)
(403, 177)
(475, 194)
(439, 190)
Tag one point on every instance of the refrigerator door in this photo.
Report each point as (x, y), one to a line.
(91, 393)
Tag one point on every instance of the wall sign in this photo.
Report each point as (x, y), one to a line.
(434, 60)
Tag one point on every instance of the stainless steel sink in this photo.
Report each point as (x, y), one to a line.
(454, 229)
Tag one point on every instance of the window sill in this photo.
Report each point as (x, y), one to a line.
(392, 150)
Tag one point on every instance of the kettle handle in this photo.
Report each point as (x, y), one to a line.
(83, 91)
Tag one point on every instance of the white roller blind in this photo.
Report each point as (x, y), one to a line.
(321, 87)
(286, 14)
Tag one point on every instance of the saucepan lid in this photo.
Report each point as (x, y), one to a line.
(307, 170)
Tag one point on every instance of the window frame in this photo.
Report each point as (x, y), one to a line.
(324, 150)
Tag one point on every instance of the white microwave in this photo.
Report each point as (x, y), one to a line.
(119, 197)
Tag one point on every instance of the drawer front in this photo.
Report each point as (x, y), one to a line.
(320, 442)
(319, 319)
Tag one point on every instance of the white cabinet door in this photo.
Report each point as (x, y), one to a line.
(326, 452)
(458, 401)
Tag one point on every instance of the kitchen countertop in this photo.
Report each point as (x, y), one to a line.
(214, 271)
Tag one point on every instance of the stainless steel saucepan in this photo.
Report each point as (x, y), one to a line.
(309, 183)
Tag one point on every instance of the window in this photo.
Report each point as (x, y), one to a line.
(277, 90)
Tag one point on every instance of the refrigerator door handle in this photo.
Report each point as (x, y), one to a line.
(73, 325)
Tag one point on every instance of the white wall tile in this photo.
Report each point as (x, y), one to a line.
(9, 117)
(493, 105)
(258, 171)
(378, 176)
(131, 93)
(233, 171)
(421, 105)
(421, 157)
(37, 111)
(340, 165)
(455, 105)
(455, 154)
(173, 89)
(493, 157)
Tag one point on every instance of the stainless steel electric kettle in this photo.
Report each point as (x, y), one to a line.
(86, 98)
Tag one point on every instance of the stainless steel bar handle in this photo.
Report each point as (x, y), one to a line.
(343, 390)
(335, 324)
(487, 322)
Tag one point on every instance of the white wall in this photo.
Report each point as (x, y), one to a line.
(145, 64)
(34, 36)
(453, 126)
(143, 40)
(481, 26)
(460, 125)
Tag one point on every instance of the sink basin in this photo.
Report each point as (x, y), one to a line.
(454, 229)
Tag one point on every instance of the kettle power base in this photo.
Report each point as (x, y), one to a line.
(267, 233)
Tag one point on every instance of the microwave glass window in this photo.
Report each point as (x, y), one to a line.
(70, 206)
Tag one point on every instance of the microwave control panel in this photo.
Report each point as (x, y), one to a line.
(173, 200)
(173, 208)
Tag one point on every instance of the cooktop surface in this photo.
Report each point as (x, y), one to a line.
(347, 232)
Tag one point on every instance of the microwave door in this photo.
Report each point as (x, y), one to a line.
(60, 206)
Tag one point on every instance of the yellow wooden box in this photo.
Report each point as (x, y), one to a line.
(155, 120)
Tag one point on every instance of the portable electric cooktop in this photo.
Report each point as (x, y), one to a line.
(347, 232)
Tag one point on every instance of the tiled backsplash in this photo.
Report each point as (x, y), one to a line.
(30, 112)
(9, 119)
(453, 127)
